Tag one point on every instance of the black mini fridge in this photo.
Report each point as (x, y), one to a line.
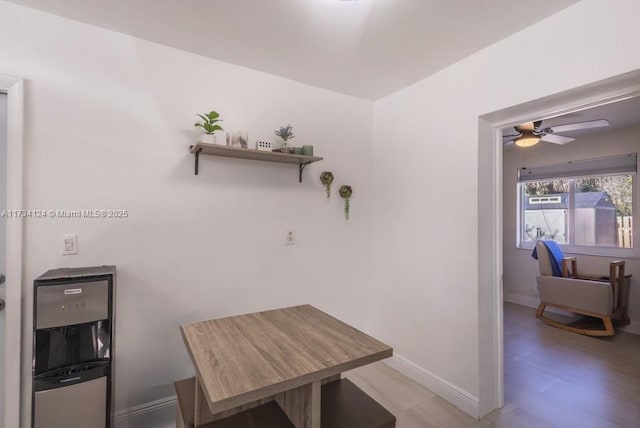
(73, 348)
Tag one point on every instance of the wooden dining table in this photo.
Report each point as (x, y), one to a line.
(283, 355)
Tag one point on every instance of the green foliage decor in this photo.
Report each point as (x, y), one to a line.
(326, 178)
(209, 122)
(346, 192)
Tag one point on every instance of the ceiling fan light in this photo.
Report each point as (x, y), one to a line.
(528, 139)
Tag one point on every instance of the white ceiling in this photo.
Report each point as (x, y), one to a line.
(366, 48)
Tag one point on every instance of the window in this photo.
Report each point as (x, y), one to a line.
(580, 203)
(545, 217)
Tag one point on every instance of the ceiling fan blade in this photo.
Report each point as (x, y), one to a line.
(509, 143)
(557, 139)
(578, 126)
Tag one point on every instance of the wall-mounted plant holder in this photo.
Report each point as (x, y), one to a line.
(326, 178)
(346, 192)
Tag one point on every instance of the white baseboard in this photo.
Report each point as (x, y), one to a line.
(633, 327)
(521, 299)
(159, 414)
(533, 302)
(466, 402)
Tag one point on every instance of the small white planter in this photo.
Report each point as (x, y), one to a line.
(207, 138)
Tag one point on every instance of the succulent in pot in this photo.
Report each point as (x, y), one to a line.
(326, 178)
(346, 192)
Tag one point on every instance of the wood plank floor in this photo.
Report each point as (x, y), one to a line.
(553, 378)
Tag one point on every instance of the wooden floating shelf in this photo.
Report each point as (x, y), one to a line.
(235, 152)
(238, 153)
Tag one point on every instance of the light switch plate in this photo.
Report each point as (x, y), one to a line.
(69, 244)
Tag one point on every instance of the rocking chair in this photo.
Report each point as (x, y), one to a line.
(560, 286)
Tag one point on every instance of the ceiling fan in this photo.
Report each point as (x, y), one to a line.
(530, 133)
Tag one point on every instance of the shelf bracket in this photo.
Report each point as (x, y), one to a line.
(301, 168)
(197, 160)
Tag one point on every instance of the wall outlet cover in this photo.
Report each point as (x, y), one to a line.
(290, 236)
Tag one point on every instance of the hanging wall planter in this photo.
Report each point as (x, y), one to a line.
(346, 192)
(326, 178)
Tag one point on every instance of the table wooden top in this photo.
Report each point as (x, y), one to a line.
(245, 358)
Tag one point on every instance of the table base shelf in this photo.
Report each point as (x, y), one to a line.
(267, 415)
(343, 405)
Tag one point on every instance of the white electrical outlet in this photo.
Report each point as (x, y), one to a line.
(69, 244)
(290, 236)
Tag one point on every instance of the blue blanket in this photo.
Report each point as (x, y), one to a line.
(555, 255)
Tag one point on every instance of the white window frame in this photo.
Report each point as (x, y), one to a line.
(570, 248)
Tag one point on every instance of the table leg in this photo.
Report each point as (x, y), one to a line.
(302, 405)
(334, 378)
(202, 414)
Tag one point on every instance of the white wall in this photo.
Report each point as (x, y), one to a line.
(520, 270)
(425, 164)
(109, 119)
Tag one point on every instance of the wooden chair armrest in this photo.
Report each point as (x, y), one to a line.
(616, 277)
(565, 267)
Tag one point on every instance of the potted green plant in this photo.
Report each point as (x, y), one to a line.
(286, 133)
(209, 125)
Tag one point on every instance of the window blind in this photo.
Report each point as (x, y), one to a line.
(623, 164)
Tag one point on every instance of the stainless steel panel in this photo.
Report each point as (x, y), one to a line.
(68, 304)
(65, 273)
(82, 405)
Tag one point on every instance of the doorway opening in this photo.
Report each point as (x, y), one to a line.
(491, 214)
(578, 190)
